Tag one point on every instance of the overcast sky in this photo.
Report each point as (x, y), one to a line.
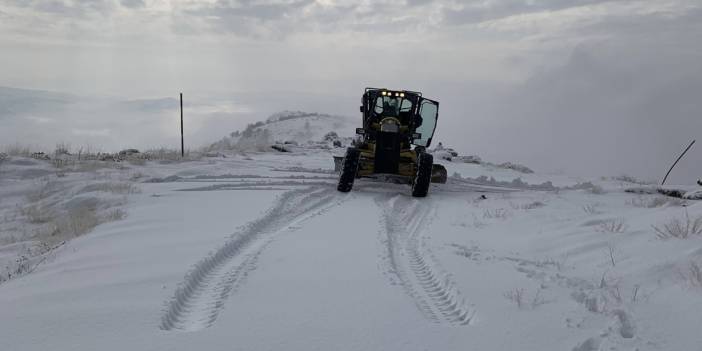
(584, 86)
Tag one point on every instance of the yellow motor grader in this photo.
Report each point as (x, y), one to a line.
(398, 126)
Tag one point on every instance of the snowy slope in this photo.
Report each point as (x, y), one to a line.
(258, 251)
(287, 127)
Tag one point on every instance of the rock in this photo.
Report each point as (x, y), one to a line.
(40, 156)
(469, 159)
(693, 195)
(128, 152)
(279, 147)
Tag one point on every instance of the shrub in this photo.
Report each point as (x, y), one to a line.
(680, 228)
(79, 221)
(518, 296)
(498, 213)
(695, 273)
(612, 226)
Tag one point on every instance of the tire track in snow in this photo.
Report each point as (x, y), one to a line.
(417, 271)
(200, 298)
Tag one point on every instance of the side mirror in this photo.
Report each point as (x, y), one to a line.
(361, 109)
(360, 131)
(416, 136)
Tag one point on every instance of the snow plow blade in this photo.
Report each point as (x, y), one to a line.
(438, 174)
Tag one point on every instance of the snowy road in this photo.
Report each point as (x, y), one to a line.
(281, 261)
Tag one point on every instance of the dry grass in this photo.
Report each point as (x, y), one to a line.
(498, 213)
(75, 222)
(655, 201)
(172, 155)
(92, 165)
(691, 274)
(591, 209)
(519, 297)
(18, 150)
(114, 215)
(630, 179)
(694, 274)
(527, 206)
(43, 190)
(81, 220)
(616, 225)
(679, 228)
(37, 214)
(112, 187)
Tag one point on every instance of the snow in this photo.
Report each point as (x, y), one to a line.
(257, 250)
(289, 129)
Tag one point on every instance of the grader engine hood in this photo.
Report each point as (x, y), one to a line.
(387, 146)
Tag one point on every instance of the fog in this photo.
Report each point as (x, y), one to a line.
(584, 87)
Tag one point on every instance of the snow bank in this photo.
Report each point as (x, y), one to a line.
(516, 183)
(449, 154)
(288, 129)
(695, 194)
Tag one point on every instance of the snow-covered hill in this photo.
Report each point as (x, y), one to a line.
(257, 250)
(288, 127)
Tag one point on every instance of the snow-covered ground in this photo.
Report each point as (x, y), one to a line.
(258, 251)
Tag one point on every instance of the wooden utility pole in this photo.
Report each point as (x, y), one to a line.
(182, 142)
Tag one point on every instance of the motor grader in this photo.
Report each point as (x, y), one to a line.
(398, 126)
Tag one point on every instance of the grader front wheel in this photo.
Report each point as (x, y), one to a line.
(422, 179)
(349, 168)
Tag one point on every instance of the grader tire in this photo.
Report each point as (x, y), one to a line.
(348, 170)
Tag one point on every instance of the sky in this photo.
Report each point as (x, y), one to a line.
(585, 87)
